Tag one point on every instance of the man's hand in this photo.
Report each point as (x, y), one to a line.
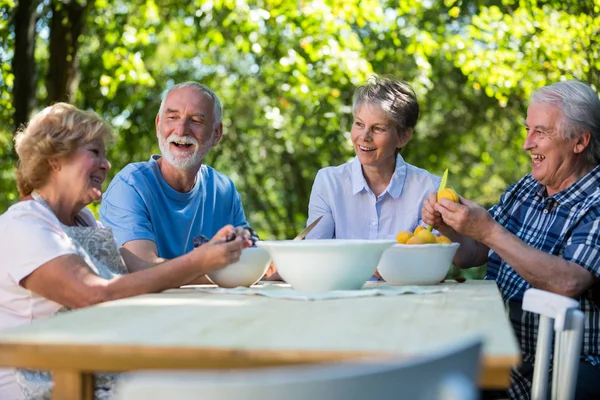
(467, 218)
(432, 217)
(218, 252)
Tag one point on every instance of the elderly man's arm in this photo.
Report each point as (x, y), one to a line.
(540, 269)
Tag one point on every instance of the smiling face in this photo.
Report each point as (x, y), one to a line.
(374, 137)
(556, 162)
(83, 172)
(186, 127)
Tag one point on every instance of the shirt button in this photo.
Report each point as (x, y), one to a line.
(374, 223)
(545, 211)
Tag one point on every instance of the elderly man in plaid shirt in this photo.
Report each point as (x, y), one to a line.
(545, 231)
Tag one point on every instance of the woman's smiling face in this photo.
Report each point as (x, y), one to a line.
(374, 136)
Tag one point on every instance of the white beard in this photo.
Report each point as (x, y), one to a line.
(181, 161)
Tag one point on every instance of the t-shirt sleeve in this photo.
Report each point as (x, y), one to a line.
(319, 206)
(583, 246)
(31, 238)
(124, 211)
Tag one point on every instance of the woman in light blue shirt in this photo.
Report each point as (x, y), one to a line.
(376, 194)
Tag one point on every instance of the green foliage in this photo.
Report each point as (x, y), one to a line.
(285, 72)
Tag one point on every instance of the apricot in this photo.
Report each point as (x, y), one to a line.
(442, 240)
(427, 236)
(403, 236)
(449, 194)
(416, 240)
(417, 229)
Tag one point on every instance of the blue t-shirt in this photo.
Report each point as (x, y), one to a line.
(140, 204)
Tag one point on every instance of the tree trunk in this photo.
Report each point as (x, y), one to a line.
(23, 63)
(66, 27)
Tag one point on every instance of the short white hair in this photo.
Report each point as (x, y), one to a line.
(217, 107)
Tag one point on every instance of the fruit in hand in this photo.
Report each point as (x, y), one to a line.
(449, 194)
(244, 231)
(199, 240)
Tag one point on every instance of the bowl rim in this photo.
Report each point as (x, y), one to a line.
(322, 242)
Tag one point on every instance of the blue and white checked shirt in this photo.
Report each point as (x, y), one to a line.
(351, 210)
(567, 225)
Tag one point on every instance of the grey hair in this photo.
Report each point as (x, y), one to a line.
(396, 98)
(217, 107)
(580, 106)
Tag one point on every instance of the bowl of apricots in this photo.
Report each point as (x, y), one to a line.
(419, 258)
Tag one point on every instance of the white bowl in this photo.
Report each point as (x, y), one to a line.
(416, 264)
(327, 264)
(252, 265)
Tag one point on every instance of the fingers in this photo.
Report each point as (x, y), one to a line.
(222, 234)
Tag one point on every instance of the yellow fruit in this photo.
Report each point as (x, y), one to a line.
(443, 240)
(403, 236)
(417, 229)
(427, 236)
(416, 240)
(449, 194)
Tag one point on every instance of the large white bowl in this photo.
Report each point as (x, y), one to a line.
(327, 264)
(416, 264)
(252, 265)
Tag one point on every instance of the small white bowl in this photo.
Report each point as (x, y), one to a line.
(252, 265)
(416, 264)
(327, 264)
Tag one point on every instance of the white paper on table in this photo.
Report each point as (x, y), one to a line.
(279, 291)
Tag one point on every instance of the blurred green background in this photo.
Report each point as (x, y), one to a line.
(285, 72)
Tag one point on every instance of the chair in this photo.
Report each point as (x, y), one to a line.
(562, 312)
(447, 375)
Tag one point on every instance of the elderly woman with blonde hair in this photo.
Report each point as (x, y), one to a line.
(55, 255)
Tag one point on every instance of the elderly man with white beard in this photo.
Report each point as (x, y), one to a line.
(155, 208)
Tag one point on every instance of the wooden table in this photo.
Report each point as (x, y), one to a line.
(189, 329)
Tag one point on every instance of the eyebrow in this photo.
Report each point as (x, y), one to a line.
(540, 127)
(173, 110)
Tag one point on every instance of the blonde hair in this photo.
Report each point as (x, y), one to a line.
(55, 132)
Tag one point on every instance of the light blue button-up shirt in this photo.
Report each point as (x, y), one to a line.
(351, 210)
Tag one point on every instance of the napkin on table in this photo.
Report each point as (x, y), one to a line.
(284, 291)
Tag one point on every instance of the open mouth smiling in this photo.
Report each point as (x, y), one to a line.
(537, 158)
(363, 148)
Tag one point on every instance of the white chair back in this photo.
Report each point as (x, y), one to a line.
(448, 375)
(560, 315)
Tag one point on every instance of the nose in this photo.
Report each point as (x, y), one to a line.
(180, 126)
(366, 134)
(529, 142)
(105, 164)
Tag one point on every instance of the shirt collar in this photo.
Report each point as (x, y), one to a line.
(582, 188)
(359, 183)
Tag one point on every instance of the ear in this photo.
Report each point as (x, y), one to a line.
(156, 122)
(582, 142)
(218, 134)
(404, 137)
(55, 164)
